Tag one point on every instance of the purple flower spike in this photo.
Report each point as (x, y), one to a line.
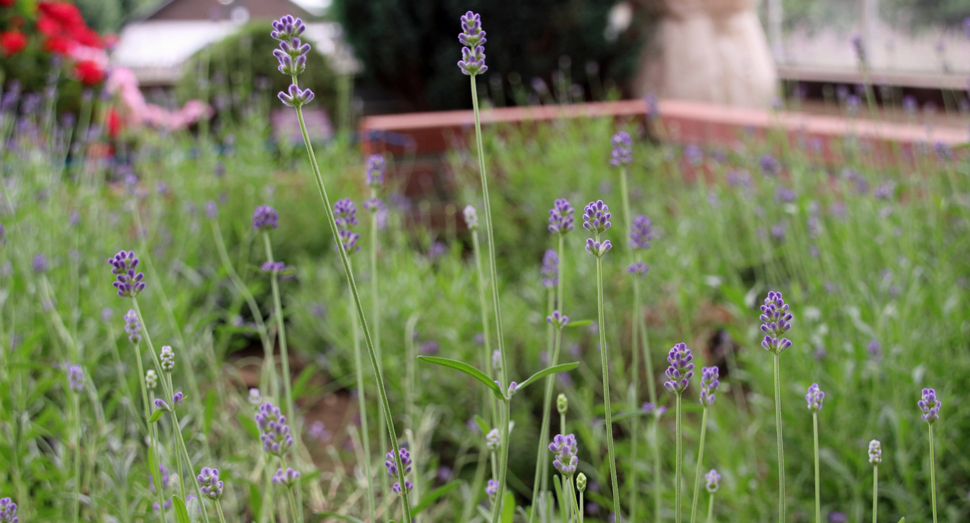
(472, 61)
(814, 398)
(561, 217)
(471, 217)
(775, 322)
(680, 370)
(128, 282)
(769, 165)
(391, 465)
(565, 448)
(558, 319)
(41, 265)
(472, 34)
(930, 406)
(650, 408)
(860, 49)
(209, 483)
(345, 213)
(709, 385)
(276, 435)
(75, 378)
(875, 452)
(133, 326)
(622, 149)
(211, 210)
(596, 248)
(8, 511)
(285, 478)
(491, 489)
(376, 166)
(550, 269)
(713, 480)
(596, 217)
(287, 28)
(641, 232)
(639, 269)
(296, 97)
(396, 487)
(265, 218)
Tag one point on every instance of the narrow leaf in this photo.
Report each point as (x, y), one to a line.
(482, 424)
(435, 495)
(157, 415)
(255, 498)
(508, 508)
(245, 418)
(465, 368)
(181, 514)
(580, 323)
(563, 367)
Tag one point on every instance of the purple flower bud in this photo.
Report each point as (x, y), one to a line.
(713, 481)
(558, 319)
(209, 483)
(472, 61)
(471, 217)
(930, 406)
(287, 28)
(769, 165)
(775, 322)
(376, 167)
(561, 217)
(814, 398)
(639, 269)
(391, 464)
(596, 217)
(622, 149)
(167, 358)
(8, 511)
(275, 436)
(875, 452)
(151, 379)
(680, 370)
(296, 97)
(550, 269)
(491, 489)
(709, 385)
(473, 38)
(596, 248)
(75, 378)
(641, 232)
(396, 487)
(133, 326)
(565, 448)
(128, 282)
(493, 440)
(211, 210)
(285, 478)
(255, 398)
(319, 432)
(265, 218)
(650, 408)
(41, 265)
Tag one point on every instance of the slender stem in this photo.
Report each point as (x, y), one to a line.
(345, 261)
(781, 444)
(557, 305)
(818, 495)
(486, 331)
(608, 415)
(375, 312)
(933, 472)
(710, 510)
(582, 505)
(281, 333)
(222, 517)
(657, 494)
(77, 457)
(362, 402)
(178, 462)
(635, 366)
(544, 431)
(697, 473)
(875, 491)
(679, 458)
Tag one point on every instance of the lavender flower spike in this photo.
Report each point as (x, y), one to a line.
(471, 217)
(558, 319)
(285, 478)
(622, 149)
(565, 448)
(345, 216)
(296, 97)
(276, 436)
(265, 218)
(151, 379)
(550, 269)
(391, 467)
(709, 385)
(814, 398)
(641, 232)
(930, 406)
(209, 483)
(713, 480)
(491, 489)
(376, 166)
(128, 282)
(167, 358)
(561, 217)
(133, 326)
(596, 217)
(598, 249)
(875, 452)
(775, 322)
(75, 378)
(680, 370)
(639, 269)
(287, 28)
(177, 399)
(473, 38)
(8, 511)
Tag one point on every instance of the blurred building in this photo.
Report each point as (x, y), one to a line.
(157, 46)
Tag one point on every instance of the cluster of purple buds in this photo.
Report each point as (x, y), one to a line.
(128, 282)
(167, 358)
(930, 406)
(860, 49)
(471, 217)
(596, 217)
(650, 408)
(285, 478)
(376, 167)
(41, 265)
(558, 319)
(680, 370)
(775, 322)
(709, 385)
(133, 326)
(550, 269)
(513, 387)
(75, 378)
(391, 465)
(8, 511)
(276, 267)
(814, 398)
(292, 55)
(473, 38)
(255, 398)
(211, 210)
(769, 165)
(641, 232)
(622, 149)
(345, 216)
(491, 489)
(639, 269)
(265, 218)
(713, 480)
(493, 440)
(209, 483)
(177, 399)
(875, 452)
(276, 436)
(561, 217)
(565, 448)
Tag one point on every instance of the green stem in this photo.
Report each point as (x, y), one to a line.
(780, 441)
(375, 310)
(483, 302)
(222, 517)
(710, 510)
(544, 431)
(608, 415)
(657, 494)
(178, 462)
(345, 261)
(679, 463)
(875, 491)
(634, 338)
(933, 472)
(362, 402)
(818, 495)
(77, 457)
(697, 473)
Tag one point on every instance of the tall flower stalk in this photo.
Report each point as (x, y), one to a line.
(596, 219)
(471, 220)
(775, 322)
(713, 483)
(709, 385)
(930, 406)
(679, 374)
(815, 397)
(472, 64)
(875, 458)
(292, 61)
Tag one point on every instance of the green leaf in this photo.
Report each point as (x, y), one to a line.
(508, 508)
(157, 415)
(348, 519)
(210, 412)
(563, 367)
(181, 514)
(434, 495)
(467, 369)
(156, 478)
(245, 418)
(255, 498)
(580, 323)
(482, 424)
(300, 386)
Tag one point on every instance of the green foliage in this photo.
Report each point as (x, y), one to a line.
(411, 48)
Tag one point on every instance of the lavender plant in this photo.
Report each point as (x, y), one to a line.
(875, 458)
(815, 397)
(679, 373)
(775, 322)
(713, 483)
(709, 385)
(930, 406)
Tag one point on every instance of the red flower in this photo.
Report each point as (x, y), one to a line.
(88, 73)
(7, 3)
(114, 123)
(64, 12)
(58, 45)
(12, 42)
